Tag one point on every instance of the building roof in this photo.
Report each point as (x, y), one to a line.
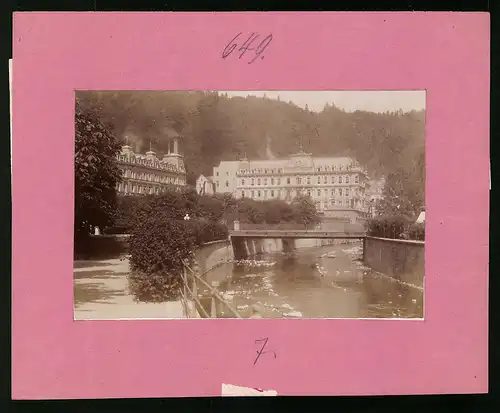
(338, 163)
(232, 163)
(203, 177)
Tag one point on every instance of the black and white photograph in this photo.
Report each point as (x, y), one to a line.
(249, 204)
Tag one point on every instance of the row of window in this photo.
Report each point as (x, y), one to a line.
(131, 188)
(303, 180)
(148, 162)
(324, 168)
(147, 176)
(261, 171)
(217, 184)
(339, 202)
(319, 192)
(332, 202)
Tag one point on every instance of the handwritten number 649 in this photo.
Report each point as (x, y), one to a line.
(250, 44)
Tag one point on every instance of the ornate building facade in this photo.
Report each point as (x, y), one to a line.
(149, 174)
(337, 185)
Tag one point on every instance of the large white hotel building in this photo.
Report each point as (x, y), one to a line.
(339, 186)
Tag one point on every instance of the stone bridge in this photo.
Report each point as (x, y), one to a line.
(245, 237)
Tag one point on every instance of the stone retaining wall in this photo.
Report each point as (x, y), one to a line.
(401, 259)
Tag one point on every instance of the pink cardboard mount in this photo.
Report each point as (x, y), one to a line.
(54, 54)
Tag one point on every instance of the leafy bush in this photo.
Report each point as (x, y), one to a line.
(389, 227)
(207, 231)
(417, 232)
(158, 246)
(154, 287)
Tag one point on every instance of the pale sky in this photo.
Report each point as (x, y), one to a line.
(350, 101)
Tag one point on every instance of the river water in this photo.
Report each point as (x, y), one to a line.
(321, 282)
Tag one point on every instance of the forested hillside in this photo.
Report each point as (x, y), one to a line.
(217, 127)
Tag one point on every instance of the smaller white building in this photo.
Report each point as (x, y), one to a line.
(421, 218)
(205, 185)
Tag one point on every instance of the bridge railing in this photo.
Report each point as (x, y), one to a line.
(274, 227)
(334, 227)
(342, 227)
(191, 286)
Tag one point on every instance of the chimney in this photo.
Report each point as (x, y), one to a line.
(127, 149)
(150, 155)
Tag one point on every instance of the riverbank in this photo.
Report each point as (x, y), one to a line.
(101, 293)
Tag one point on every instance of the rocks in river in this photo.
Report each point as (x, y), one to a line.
(255, 263)
(353, 251)
(228, 295)
(321, 270)
(293, 314)
(328, 255)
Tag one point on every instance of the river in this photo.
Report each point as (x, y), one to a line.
(322, 282)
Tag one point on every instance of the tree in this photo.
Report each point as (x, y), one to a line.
(305, 210)
(161, 241)
(403, 194)
(96, 173)
(210, 208)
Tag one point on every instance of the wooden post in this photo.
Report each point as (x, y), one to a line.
(213, 308)
(215, 284)
(195, 295)
(184, 282)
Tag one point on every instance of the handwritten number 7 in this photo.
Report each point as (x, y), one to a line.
(261, 351)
